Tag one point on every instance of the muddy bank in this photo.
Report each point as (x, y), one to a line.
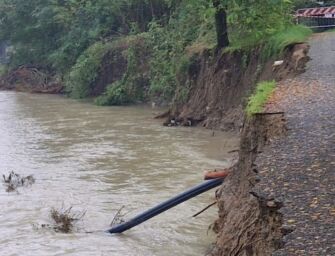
(248, 223)
(251, 223)
(221, 82)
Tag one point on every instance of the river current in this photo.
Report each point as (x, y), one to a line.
(98, 159)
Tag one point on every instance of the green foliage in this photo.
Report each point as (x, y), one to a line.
(274, 44)
(71, 37)
(291, 35)
(166, 51)
(84, 72)
(258, 99)
(251, 24)
(3, 69)
(265, 23)
(116, 94)
(55, 33)
(131, 87)
(298, 4)
(28, 26)
(192, 23)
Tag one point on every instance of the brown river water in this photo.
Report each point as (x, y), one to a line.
(98, 159)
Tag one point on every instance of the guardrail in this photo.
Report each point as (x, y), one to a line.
(316, 22)
(322, 17)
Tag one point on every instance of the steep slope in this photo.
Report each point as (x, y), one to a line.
(219, 84)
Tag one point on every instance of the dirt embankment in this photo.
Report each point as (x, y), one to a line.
(221, 82)
(249, 223)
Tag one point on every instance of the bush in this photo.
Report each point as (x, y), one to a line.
(257, 100)
(191, 24)
(3, 69)
(115, 94)
(79, 81)
(133, 85)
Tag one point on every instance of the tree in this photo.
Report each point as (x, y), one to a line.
(221, 23)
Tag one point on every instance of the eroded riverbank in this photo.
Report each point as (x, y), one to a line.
(279, 200)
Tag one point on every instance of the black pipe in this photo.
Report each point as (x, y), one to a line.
(162, 207)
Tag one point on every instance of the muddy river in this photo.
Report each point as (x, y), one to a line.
(98, 159)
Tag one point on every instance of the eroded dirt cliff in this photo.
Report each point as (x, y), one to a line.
(219, 84)
(249, 224)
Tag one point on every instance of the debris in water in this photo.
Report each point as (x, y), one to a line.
(64, 219)
(13, 181)
(205, 209)
(119, 217)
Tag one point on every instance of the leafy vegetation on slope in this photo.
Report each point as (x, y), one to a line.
(277, 42)
(258, 99)
(71, 38)
(85, 70)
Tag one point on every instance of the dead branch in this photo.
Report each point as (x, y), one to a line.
(205, 209)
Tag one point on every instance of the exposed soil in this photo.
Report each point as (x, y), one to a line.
(249, 224)
(115, 64)
(221, 83)
(280, 198)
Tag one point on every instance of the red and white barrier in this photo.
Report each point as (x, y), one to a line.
(321, 12)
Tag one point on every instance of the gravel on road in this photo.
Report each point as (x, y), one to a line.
(299, 169)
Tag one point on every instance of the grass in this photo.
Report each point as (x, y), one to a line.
(258, 99)
(280, 40)
(273, 44)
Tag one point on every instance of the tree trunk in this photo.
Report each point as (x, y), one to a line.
(221, 24)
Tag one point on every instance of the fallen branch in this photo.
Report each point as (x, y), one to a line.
(269, 113)
(165, 114)
(205, 209)
(64, 219)
(233, 151)
(118, 217)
